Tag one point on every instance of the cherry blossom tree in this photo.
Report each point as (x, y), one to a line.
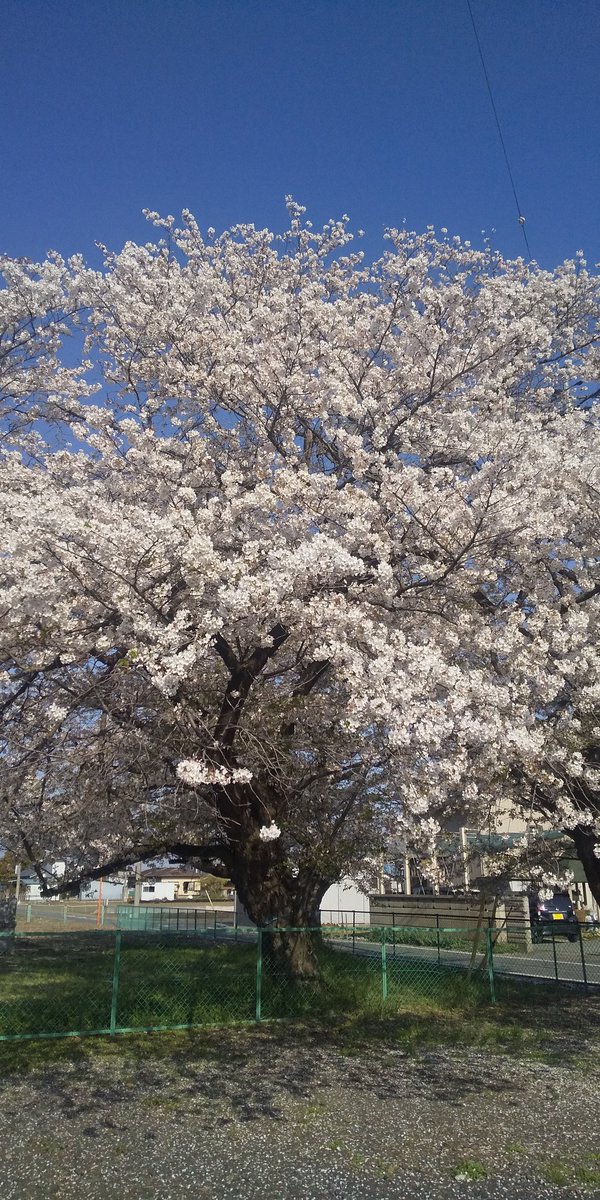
(562, 791)
(35, 319)
(299, 549)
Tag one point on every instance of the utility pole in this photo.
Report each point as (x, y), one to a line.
(436, 874)
(137, 892)
(464, 845)
(17, 882)
(381, 875)
(407, 880)
(99, 904)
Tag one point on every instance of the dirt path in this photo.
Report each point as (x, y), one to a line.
(303, 1115)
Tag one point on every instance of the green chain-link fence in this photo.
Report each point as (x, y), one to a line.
(67, 984)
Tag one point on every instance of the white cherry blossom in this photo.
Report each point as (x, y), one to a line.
(301, 543)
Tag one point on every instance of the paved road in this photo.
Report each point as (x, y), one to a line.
(539, 963)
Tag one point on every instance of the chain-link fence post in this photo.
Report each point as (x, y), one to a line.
(259, 967)
(583, 962)
(437, 938)
(384, 973)
(115, 981)
(554, 955)
(490, 964)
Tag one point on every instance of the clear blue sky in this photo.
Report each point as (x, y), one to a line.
(377, 108)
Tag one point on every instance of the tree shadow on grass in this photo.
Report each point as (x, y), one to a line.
(55, 984)
(62, 984)
(408, 1048)
(245, 1075)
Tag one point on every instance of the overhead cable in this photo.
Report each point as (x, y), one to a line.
(520, 216)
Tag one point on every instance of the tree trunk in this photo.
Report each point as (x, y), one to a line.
(284, 905)
(585, 843)
(293, 954)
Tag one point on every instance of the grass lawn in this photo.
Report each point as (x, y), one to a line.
(442, 939)
(71, 983)
(61, 984)
(561, 1029)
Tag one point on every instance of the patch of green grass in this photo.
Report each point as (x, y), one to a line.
(516, 1148)
(352, 984)
(58, 983)
(562, 1174)
(471, 1169)
(397, 936)
(587, 1176)
(556, 1173)
(385, 1170)
(162, 1103)
(45, 975)
(499, 1030)
(62, 984)
(316, 1108)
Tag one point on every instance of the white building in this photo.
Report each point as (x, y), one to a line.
(158, 889)
(173, 883)
(345, 903)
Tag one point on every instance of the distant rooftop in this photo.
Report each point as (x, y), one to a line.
(172, 873)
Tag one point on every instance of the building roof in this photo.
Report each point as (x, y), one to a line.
(171, 873)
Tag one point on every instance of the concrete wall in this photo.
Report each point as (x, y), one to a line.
(339, 904)
(454, 912)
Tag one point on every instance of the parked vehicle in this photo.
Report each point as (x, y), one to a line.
(553, 918)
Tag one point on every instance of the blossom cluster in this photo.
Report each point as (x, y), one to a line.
(295, 524)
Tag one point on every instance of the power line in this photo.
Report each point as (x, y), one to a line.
(520, 216)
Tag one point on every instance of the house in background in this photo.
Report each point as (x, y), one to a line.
(113, 888)
(157, 884)
(176, 883)
(30, 887)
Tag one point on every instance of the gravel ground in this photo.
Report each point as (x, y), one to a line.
(303, 1115)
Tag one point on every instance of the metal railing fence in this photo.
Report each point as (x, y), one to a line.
(55, 916)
